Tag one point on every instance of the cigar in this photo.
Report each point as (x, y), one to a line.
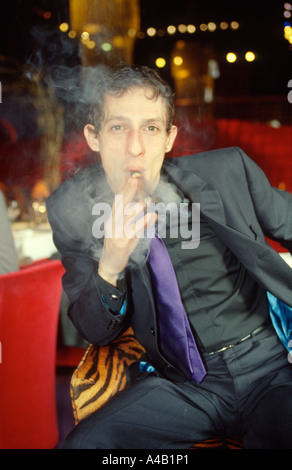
(136, 174)
(147, 198)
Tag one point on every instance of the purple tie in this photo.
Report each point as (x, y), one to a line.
(176, 338)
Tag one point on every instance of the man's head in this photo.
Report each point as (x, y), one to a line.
(130, 124)
(116, 82)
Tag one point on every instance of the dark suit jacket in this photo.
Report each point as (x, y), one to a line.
(236, 200)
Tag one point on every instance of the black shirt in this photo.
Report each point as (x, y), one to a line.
(223, 302)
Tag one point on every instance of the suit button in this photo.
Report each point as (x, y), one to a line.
(113, 324)
(152, 331)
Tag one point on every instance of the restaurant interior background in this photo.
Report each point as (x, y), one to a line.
(230, 66)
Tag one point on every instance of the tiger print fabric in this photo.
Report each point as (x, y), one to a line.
(102, 373)
(219, 443)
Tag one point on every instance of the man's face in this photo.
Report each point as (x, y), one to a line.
(132, 140)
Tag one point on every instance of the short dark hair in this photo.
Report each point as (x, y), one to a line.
(123, 78)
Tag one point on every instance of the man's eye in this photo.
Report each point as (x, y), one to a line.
(152, 129)
(117, 128)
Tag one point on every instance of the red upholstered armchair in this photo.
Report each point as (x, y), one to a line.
(29, 310)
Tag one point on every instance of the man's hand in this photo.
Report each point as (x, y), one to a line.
(122, 232)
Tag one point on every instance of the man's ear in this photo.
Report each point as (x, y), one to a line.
(171, 138)
(91, 137)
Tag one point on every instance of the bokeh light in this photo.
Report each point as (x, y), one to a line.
(231, 57)
(160, 62)
(250, 56)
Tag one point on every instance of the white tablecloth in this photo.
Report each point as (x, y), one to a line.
(34, 242)
(287, 257)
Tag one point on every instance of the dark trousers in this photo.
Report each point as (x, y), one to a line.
(247, 392)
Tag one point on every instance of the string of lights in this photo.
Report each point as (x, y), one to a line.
(174, 29)
(171, 30)
(187, 29)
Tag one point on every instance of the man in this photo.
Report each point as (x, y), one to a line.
(246, 388)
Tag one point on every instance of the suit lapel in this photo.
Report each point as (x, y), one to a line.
(257, 256)
(197, 190)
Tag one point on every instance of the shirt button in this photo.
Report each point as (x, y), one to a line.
(152, 331)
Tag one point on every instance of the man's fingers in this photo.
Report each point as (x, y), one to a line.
(130, 190)
(141, 227)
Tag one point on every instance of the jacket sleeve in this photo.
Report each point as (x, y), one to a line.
(272, 206)
(87, 309)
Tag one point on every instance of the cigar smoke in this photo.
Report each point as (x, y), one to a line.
(74, 87)
(100, 206)
(166, 194)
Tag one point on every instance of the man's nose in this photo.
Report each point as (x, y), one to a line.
(135, 143)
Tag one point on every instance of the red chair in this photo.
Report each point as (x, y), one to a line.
(29, 311)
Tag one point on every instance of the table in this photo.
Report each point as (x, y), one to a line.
(287, 257)
(33, 241)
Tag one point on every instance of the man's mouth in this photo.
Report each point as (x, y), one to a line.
(135, 173)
